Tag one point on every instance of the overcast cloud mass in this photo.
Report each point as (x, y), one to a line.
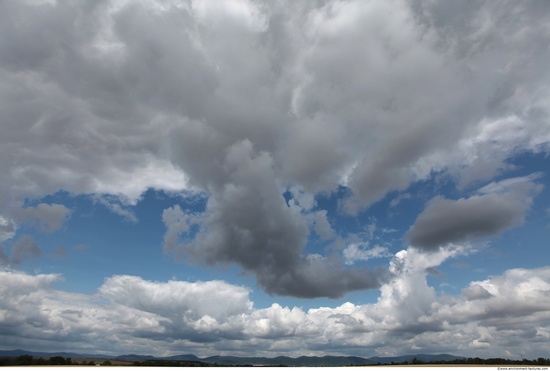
(318, 150)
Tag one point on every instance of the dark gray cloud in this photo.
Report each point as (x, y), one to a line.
(499, 206)
(248, 222)
(445, 221)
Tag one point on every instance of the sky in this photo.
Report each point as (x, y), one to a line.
(272, 178)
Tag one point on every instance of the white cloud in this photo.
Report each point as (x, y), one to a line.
(175, 299)
(357, 251)
(399, 198)
(131, 314)
(7, 228)
(114, 205)
(274, 322)
(516, 185)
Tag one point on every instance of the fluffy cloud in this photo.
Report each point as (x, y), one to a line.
(496, 207)
(23, 296)
(90, 135)
(175, 298)
(132, 314)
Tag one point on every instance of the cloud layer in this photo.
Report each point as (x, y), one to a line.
(242, 101)
(505, 315)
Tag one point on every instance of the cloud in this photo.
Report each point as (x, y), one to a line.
(399, 198)
(184, 304)
(476, 291)
(4, 259)
(113, 98)
(322, 225)
(248, 222)
(22, 295)
(355, 252)
(113, 205)
(244, 102)
(48, 218)
(77, 118)
(294, 83)
(407, 297)
(7, 228)
(177, 223)
(25, 248)
(129, 313)
(518, 292)
(59, 252)
(496, 207)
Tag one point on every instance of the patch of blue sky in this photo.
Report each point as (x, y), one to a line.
(99, 243)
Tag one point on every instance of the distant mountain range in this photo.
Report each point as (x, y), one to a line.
(231, 361)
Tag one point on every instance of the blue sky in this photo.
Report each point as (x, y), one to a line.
(275, 178)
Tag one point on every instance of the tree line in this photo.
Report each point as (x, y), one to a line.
(478, 361)
(28, 360)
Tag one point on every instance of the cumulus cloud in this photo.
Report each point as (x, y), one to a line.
(495, 208)
(518, 292)
(131, 314)
(248, 222)
(77, 118)
(21, 305)
(175, 298)
(321, 85)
